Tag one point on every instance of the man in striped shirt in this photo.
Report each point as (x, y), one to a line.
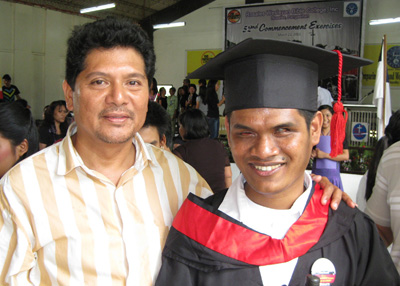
(95, 209)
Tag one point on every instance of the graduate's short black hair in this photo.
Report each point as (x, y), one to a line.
(107, 34)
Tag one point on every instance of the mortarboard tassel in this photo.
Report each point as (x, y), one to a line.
(338, 122)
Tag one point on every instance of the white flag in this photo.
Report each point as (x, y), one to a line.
(381, 93)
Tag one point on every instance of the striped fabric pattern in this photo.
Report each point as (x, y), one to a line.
(9, 93)
(64, 224)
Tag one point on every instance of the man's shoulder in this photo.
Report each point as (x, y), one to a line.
(343, 222)
(392, 151)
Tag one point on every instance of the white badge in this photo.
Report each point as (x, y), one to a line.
(325, 270)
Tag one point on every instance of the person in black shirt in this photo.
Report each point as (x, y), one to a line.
(54, 127)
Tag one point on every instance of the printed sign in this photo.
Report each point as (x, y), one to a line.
(359, 131)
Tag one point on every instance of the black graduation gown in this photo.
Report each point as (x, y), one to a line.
(348, 238)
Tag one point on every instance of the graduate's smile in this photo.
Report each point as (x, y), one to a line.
(266, 170)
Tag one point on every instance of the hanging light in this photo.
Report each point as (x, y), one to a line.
(171, 25)
(384, 21)
(97, 8)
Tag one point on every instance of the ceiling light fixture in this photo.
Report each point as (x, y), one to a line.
(171, 25)
(384, 21)
(97, 8)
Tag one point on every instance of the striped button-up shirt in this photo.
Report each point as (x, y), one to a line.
(65, 224)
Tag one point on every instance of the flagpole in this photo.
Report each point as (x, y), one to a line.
(384, 83)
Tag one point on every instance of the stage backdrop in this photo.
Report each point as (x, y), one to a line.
(327, 24)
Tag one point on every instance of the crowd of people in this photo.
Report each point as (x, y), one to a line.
(99, 205)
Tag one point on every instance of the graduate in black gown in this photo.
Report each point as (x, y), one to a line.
(269, 228)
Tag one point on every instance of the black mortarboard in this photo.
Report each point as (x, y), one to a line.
(274, 74)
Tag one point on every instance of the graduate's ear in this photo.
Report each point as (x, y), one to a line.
(315, 128)
(69, 95)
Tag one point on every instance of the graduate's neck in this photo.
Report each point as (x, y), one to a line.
(281, 200)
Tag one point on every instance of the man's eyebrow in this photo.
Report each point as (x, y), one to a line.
(98, 73)
(153, 142)
(137, 74)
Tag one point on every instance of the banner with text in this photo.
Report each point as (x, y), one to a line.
(327, 24)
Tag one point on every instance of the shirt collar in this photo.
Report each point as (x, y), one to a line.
(69, 158)
(236, 198)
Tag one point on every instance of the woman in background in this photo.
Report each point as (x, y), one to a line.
(18, 135)
(162, 98)
(201, 102)
(324, 164)
(54, 127)
(191, 98)
(207, 156)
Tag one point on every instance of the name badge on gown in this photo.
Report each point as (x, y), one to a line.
(325, 270)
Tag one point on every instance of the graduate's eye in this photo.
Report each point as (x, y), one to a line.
(245, 133)
(282, 131)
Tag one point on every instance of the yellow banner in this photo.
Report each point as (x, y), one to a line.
(197, 58)
(393, 59)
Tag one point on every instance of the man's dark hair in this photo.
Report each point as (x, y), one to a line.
(107, 33)
(186, 81)
(158, 117)
(195, 124)
(173, 89)
(307, 115)
(202, 81)
(7, 77)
